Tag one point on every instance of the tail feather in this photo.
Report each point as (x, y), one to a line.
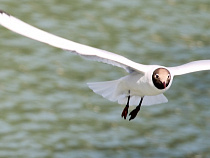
(106, 89)
(157, 99)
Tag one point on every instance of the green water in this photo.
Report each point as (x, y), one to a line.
(46, 109)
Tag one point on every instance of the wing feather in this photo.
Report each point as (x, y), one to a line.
(194, 66)
(32, 32)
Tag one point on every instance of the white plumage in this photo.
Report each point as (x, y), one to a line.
(144, 82)
(111, 91)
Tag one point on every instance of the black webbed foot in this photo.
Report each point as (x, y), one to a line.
(134, 113)
(125, 110)
(136, 110)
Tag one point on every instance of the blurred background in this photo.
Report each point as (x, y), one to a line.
(46, 108)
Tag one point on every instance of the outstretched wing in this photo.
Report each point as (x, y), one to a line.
(27, 30)
(190, 67)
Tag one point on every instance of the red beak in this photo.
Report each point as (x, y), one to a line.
(164, 84)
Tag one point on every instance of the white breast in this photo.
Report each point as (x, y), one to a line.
(137, 84)
(140, 85)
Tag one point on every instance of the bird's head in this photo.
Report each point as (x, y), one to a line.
(161, 78)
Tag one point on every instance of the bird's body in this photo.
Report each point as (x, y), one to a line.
(144, 85)
(135, 84)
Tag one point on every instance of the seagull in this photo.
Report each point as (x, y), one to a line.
(144, 84)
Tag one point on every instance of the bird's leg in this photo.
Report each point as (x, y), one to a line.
(136, 110)
(125, 110)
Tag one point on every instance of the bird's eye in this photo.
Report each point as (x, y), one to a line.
(156, 76)
(169, 76)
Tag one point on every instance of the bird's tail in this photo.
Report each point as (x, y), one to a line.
(111, 91)
(107, 89)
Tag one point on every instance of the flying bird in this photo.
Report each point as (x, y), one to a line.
(144, 84)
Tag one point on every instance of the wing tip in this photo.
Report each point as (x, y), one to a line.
(3, 12)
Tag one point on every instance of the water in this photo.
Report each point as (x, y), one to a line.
(48, 111)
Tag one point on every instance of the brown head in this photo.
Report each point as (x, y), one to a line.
(161, 78)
